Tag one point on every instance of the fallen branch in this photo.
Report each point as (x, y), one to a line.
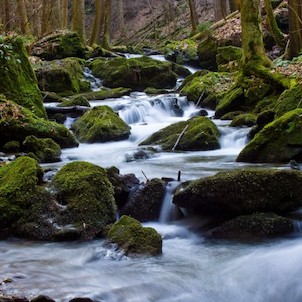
(179, 137)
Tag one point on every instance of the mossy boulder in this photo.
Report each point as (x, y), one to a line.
(11, 146)
(257, 225)
(17, 78)
(58, 45)
(77, 101)
(145, 203)
(290, 99)
(100, 124)
(201, 134)
(16, 123)
(278, 142)
(45, 149)
(210, 86)
(207, 51)
(136, 73)
(182, 52)
(228, 58)
(19, 182)
(245, 119)
(243, 191)
(86, 192)
(135, 239)
(64, 77)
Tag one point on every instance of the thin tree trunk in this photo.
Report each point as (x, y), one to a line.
(98, 22)
(106, 36)
(273, 26)
(56, 15)
(193, 15)
(220, 9)
(7, 16)
(65, 14)
(25, 26)
(295, 28)
(78, 19)
(122, 19)
(45, 28)
(233, 5)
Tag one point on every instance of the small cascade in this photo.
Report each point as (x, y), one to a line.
(168, 208)
(297, 226)
(233, 138)
(95, 83)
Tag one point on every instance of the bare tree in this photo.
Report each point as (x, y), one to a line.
(106, 34)
(98, 22)
(25, 26)
(64, 13)
(193, 15)
(78, 18)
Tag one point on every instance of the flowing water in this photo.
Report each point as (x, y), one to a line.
(191, 268)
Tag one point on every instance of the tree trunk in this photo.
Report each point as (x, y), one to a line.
(78, 19)
(273, 26)
(35, 17)
(220, 9)
(233, 5)
(56, 15)
(122, 19)
(98, 22)
(106, 35)
(65, 14)
(295, 28)
(25, 26)
(45, 27)
(252, 42)
(7, 16)
(193, 16)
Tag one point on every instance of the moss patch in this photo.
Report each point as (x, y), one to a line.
(134, 239)
(245, 119)
(100, 124)
(201, 134)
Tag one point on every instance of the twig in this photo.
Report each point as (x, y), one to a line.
(179, 137)
(199, 100)
(145, 175)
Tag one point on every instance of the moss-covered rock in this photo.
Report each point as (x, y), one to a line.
(255, 225)
(16, 123)
(243, 192)
(77, 101)
(245, 119)
(201, 134)
(134, 239)
(182, 52)
(64, 77)
(17, 78)
(228, 58)
(207, 51)
(45, 149)
(289, 100)
(18, 185)
(145, 203)
(104, 93)
(88, 195)
(211, 86)
(100, 124)
(278, 142)
(58, 45)
(12, 146)
(136, 73)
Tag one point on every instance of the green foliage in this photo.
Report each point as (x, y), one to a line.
(7, 53)
(205, 27)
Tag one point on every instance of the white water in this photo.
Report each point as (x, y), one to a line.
(191, 267)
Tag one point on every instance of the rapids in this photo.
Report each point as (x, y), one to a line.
(191, 267)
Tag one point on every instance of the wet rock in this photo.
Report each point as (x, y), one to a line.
(201, 112)
(245, 119)
(42, 298)
(135, 239)
(81, 300)
(100, 124)
(243, 192)
(255, 225)
(145, 203)
(207, 51)
(140, 155)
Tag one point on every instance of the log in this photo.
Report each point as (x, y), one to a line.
(179, 137)
(65, 110)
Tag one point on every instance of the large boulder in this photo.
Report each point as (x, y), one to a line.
(278, 142)
(58, 45)
(200, 134)
(255, 225)
(87, 195)
(135, 239)
(16, 123)
(242, 192)
(19, 183)
(64, 77)
(136, 73)
(100, 124)
(17, 78)
(44, 149)
(145, 203)
(207, 51)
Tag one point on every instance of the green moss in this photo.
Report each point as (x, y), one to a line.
(201, 134)
(16, 123)
(88, 194)
(207, 51)
(289, 100)
(278, 142)
(64, 76)
(210, 85)
(104, 93)
(76, 101)
(18, 81)
(245, 119)
(243, 191)
(18, 185)
(45, 149)
(12, 146)
(100, 124)
(129, 234)
(136, 73)
(228, 58)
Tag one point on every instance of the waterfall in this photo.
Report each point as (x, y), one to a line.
(95, 83)
(168, 208)
(233, 137)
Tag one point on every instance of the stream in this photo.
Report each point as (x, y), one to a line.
(191, 268)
